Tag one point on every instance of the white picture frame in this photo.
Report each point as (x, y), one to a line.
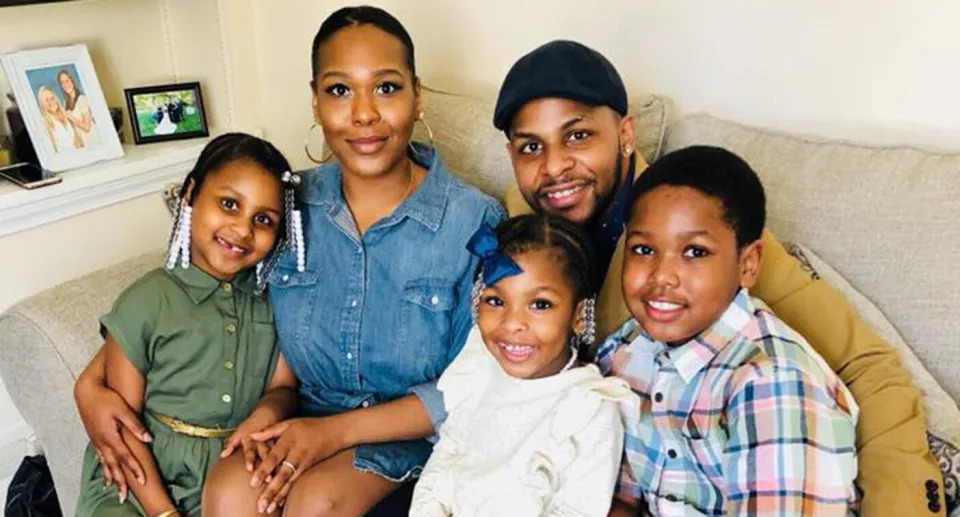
(80, 131)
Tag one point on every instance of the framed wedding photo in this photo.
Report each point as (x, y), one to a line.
(62, 106)
(166, 112)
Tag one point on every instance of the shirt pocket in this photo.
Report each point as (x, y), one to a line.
(260, 352)
(293, 295)
(706, 438)
(426, 325)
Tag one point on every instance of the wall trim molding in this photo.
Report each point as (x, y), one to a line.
(142, 171)
(169, 42)
(225, 58)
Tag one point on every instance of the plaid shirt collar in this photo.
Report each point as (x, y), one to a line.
(694, 355)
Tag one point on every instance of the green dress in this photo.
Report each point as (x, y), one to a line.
(206, 349)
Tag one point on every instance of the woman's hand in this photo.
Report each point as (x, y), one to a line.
(253, 451)
(77, 141)
(300, 444)
(103, 412)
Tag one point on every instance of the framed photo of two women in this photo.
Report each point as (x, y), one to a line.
(62, 106)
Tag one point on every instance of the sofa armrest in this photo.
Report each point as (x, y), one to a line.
(45, 342)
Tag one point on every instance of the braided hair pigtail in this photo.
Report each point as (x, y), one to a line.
(179, 244)
(265, 267)
(292, 237)
(172, 251)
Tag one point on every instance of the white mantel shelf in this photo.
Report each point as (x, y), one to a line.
(142, 170)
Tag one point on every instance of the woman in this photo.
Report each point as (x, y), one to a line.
(373, 312)
(78, 109)
(60, 128)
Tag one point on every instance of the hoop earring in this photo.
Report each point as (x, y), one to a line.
(429, 135)
(306, 146)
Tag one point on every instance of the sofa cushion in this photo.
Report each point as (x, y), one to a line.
(886, 217)
(943, 416)
(476, 152)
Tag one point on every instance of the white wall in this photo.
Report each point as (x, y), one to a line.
(878, 71)
(132, 43)
(44, 257)
(129, 47)
(126, 48)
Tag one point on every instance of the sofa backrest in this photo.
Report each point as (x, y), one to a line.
(887, 218)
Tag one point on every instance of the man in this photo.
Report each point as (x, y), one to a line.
(563, 108)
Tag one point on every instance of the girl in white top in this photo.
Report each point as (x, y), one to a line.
(530, 430)
(59, 128)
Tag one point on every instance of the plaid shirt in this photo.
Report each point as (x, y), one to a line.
(744, 419)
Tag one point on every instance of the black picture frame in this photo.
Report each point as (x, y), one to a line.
(157, 97)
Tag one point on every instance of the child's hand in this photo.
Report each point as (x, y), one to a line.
(253, 451)
(300, 444)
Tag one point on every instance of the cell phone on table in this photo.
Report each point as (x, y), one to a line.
(29, 175)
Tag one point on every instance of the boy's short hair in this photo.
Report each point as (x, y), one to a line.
(717, 173)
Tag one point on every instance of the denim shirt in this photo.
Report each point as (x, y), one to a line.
(379, 315)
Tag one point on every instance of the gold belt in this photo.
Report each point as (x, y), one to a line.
(179, 426)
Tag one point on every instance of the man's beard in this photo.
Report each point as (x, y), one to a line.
(604, 203)
(600, 205)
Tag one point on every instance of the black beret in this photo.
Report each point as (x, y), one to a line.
(564, 69)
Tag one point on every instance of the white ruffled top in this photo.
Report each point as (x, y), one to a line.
(517, 447)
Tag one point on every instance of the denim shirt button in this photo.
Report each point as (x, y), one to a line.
(349, 355)
(285, 278)
(365, 403)
(435, 300)
(353, 303)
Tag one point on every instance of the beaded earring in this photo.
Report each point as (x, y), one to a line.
(475, 291)
(294, 237)
(588, 311)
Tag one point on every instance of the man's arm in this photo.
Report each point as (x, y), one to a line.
(894, 461)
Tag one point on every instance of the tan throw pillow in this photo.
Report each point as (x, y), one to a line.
(943, 415)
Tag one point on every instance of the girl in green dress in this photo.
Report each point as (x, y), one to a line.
(192, 346)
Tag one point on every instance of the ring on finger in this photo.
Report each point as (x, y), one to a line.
(289, 464)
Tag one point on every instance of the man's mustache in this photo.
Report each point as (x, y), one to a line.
(552, 182)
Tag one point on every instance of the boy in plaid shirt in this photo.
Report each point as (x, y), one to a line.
(738, 415)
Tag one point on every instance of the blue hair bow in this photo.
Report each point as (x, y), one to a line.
(494, 265)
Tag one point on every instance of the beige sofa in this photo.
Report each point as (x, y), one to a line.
(885, 219)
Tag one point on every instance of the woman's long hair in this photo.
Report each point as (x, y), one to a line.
(70, 102)
(47, 119)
